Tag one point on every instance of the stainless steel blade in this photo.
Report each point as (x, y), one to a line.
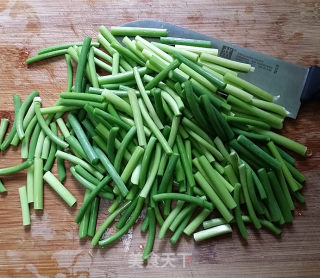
(280, 78)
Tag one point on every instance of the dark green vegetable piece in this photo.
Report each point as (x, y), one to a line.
(243, 179)
(90, 198)
(85, 144)
(168, 172)
(17, 103)
(111, 151)
(63, 46)
(184, 197)
(175, 237)
(272, 204)
(286, 156)
(162, 75)
(213, 79)
(44, 126)
(110, 118)
(299, 197)
(53, 149)
(61, 167)
(127, 214)
(46, 56)
(237, 211)
(145, 224)
(124, 144)
(212, 118)
(268, 159)
(156, 92)
(112, 172)
(251, 135)
(21, 113)
(194, 106)
(246, 155)
(281, 199)
(2, 188)
(17, 168)
(185, 162)
(127, 226)
(70, 72)
(146, 160)
(258, 206)
(83, 227)
(82, 65)
(93, 216)
(224, 124)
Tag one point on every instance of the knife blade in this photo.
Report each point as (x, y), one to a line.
(285, 80)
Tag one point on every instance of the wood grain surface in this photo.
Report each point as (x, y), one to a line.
(50, 247)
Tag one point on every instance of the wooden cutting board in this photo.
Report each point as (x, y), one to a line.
(51, 247)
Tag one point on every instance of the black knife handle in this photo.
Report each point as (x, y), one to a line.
(311, 90)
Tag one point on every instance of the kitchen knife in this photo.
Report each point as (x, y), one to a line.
(290, 83)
